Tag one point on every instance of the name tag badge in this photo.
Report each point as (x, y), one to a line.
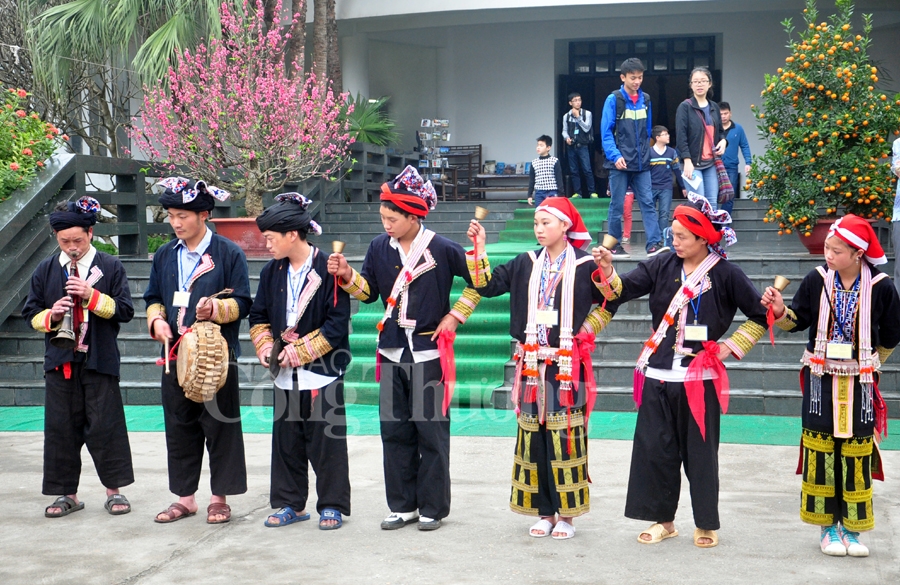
(839, 351)
(695, 333)
(547, 317)
(181, 299)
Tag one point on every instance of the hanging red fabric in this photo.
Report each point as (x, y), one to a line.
(707, 359)
(173, 357)
(335, 289)
(584, 347)
(770, 321)
(448, 366)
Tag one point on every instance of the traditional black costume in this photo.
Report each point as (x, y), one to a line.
(214, 265)
(312, 322)
(83, 403)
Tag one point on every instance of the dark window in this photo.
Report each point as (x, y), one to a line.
(674, 55)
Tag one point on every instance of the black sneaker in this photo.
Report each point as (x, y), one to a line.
(619, 252)
(656, 249)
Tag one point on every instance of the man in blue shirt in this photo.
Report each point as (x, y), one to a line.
(737, 139)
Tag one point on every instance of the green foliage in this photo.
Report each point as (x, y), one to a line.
(826, 125)
(369, 123)
(104, 247)
(156, 242)
(25, 142)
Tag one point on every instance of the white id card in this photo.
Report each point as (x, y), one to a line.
(181, 299)
(695, 333)
(839, 351)
(547, 317)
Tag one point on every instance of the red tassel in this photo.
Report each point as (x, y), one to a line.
(377, 366)
(565, 398)
(531, 393)
(67, 370)
(770, 320)
(335, 290)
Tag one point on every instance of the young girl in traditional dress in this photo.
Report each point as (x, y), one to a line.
(551, 318)
(852, 312)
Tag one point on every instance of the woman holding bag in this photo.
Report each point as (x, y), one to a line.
(700, 136)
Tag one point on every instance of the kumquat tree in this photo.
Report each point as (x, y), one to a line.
(827, 127)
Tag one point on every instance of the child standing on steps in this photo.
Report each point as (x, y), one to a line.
(545, 178)
(411, 269)
(551, 318)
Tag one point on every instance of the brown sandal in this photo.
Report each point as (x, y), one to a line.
(218, 509)
(176, 507)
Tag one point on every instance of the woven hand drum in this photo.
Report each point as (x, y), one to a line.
(202, 361)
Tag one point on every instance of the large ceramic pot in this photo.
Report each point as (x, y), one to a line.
(815, 243)
(243, 232)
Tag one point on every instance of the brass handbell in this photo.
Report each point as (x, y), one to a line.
(781, 283)
(481, 213)
(609, 242)
(337, 246)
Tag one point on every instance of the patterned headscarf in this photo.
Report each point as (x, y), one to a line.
(410, 193)
(290, 212)
(81, 213)
(197, 196)
(703, 223)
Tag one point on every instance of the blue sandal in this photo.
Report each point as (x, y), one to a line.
(330, 514)
(285, 516)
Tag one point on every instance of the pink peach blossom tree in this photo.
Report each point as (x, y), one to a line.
(235, 113)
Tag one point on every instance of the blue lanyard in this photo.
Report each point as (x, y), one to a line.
(694, 305)
(295, 292)
(185, 282)
(549, 283)
(844, 307)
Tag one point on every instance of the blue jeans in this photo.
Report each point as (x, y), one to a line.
(662, 201)
(580, 158)
(735, 177)
(539, 196)
(709, 185)
(640, 183)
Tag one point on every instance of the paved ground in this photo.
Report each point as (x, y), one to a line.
(762, 539)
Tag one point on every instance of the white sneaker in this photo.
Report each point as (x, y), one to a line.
(854, 547)
(831, 541)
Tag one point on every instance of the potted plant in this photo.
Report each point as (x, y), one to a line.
(235, 114)
(827, 128)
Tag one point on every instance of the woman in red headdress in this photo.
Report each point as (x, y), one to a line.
(679, 379)
(554, 321)
(852, 312)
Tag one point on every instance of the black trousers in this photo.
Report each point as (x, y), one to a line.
(665, 438)
(304, 432)
(217, 424)
(84, 410)
(415, 437)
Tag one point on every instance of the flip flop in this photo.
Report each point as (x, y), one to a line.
(567, 529)
(542, 524)
(286, 516)
(66, 506)
(658, 533)
(218, 509)
(330, 514)
(710, 534)
(183, 512)
(117, 500)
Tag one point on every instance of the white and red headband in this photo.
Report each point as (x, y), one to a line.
(858, 234)
(562, 209)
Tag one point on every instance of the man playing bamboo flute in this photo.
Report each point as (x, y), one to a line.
(185, 273)
(679, 380)
(411, 269)
(299, 324)
(83, 405)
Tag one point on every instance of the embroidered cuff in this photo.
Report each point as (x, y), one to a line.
(465, 305)
(309, 348)
(612, 288)
(744, 339)
(484, 268)
(596, 320)
(100, 304)
(358, 287)
(154, 312)
(788, 321)
(42, 322)
(884, 353)
(261, 336)
(225, 311)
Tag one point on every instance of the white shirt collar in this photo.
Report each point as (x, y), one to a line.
(307, 264)
(395, 243)
(201, 247)
(84, 263)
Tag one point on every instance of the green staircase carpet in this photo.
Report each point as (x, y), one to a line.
(483, 343)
